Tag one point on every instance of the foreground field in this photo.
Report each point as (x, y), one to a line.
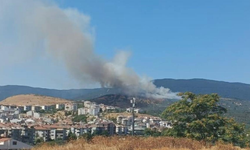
(137, 143)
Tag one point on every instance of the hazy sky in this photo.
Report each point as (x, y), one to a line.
(167, 39)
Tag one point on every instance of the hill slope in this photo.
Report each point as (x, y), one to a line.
(123, 101)
(198, 86)
(32, 100)
(203, 86)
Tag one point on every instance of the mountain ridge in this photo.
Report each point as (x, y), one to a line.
(235, 90)
(225, 89)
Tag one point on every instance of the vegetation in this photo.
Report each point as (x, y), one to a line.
(72, 136)
(151, 132)
(80, 118)
(201, 118)
(136, 143)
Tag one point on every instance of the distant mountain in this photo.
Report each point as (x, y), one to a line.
(73, 94)
(198, 86)
(203, 86)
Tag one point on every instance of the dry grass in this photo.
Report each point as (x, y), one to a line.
(136, 143)
(31, 99)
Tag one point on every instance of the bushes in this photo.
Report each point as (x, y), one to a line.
(78, 118)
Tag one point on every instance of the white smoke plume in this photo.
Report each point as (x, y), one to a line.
(66, 34)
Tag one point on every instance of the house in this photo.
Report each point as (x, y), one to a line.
(33, 114)
(136, 110)
(42, 132)
(4, 107)
(109, 127)
(71, 107)
(45, 107)
(87, 104)
(82, 111)
(27, 108)
(21, 108)
(94, 110)
(60, 106)
(9, 143)
(36, 108)
(28, 135)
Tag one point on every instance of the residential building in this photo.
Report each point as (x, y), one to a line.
(71, 107)
(35, 108)
(33, 114)
(60, 106)
(82, 111)
(11, 144)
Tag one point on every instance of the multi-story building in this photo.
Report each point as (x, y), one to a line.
(71, 107)
(60, 106)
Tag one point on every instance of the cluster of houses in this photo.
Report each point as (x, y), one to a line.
(29, 133)
(124, 124)
(25, 108)
(27, 124)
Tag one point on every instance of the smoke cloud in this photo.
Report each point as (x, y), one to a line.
(41, 27)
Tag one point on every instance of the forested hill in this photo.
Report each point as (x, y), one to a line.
(72, 94)
(203, 86)
(197, 86)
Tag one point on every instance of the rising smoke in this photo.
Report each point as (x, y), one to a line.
(66, 34)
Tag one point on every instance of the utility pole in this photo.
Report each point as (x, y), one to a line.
(133, 115)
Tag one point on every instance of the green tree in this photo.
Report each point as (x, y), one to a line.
(200, 117)
(72, 136)
(39, 140)
(79, 118)
(151, 132)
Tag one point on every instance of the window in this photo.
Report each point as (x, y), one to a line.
(14, 142)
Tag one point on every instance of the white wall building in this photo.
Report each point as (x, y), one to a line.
(27, 108)
(8, 144)
(33, 114)
(82, 111)
(71, 107)
(87, 104)
(60, 106)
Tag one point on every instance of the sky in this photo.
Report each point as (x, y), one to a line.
(167, 39)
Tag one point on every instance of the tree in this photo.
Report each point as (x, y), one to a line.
(200, 117)
(78, 118)
(72, 136)
(151, 132)
(39, 140)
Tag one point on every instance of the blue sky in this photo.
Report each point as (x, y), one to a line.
(168, 39)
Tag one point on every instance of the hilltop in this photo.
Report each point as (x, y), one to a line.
(32, 100)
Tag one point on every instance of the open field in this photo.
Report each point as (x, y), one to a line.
(31, 99)
(137, 143)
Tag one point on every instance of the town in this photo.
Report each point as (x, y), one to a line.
(33, 124)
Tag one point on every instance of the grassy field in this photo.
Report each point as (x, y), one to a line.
(137, 143)
(31, 99)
